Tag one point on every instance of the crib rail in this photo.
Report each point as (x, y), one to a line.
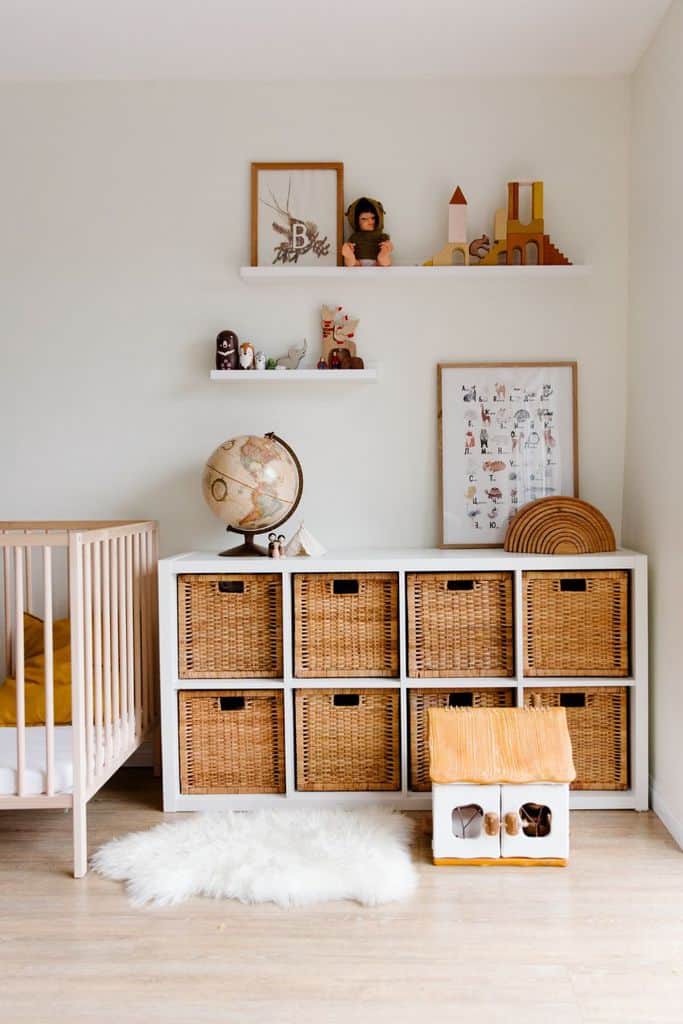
(109, 588)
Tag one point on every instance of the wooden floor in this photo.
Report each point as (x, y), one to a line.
(599, 941)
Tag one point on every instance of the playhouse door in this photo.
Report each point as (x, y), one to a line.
(466, 821)
(535, 821)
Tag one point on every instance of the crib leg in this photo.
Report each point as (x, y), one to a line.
(80, 830)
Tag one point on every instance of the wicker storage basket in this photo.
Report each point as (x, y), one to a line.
(347, 740)
(345, 625)
(597, 717)
(419, 703)
(231, 741)
(576, 623)
(459, 624)
(230, 626)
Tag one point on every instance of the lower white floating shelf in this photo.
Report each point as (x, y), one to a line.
(292, 376)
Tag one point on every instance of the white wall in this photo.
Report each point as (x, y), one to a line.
(125, 218)
(654, 485)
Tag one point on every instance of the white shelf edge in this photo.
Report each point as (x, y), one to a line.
(293, 376)
(263, 275)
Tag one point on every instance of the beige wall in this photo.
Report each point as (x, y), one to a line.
(125, 220)
(653, 493)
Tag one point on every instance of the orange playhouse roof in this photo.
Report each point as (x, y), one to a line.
(494, 745)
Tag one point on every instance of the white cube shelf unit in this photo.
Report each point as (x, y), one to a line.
(401, 563)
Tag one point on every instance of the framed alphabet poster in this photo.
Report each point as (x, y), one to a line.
(297, 214)
(508, 435)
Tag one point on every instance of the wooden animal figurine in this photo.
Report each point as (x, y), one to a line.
(260, 360)
(368, 244)
(247, 355)
(479, 247)
(294, 356)
(226, 351)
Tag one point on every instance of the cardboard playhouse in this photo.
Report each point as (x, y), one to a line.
(500, 786)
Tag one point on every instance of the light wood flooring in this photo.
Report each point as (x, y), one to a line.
(599, 941)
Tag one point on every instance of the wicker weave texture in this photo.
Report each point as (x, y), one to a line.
(460, 624)
(347, 740)
(597, 718)
(231, 741)
(419, 703)
(576, 623)
(345, 625)
(230, 626)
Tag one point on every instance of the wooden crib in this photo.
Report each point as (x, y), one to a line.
(104, 576)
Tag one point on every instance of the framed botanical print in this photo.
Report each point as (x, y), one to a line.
(297, 214)
(508, 435)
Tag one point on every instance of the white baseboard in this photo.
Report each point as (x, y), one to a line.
(669, 820)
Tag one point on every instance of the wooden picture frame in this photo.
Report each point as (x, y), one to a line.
(517, 424)
(277, 192)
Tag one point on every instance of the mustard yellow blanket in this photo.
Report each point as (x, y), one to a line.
(34, 676)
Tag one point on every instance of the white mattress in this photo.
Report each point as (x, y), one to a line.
(35, 775)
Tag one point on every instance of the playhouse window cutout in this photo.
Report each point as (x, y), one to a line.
(467, 821)
(536, 820)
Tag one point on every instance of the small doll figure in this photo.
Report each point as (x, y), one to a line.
(276, 545)
(226, 351)
(368, 245)
(322, 365)
(260, 360)
(247, 355)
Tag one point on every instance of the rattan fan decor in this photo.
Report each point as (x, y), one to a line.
(559, 526)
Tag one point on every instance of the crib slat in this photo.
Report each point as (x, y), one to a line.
(28, 576)
(97, 655)
(136, 637)
(88, 657)
(155, 619)
(130, 635)
(146, 631)
(106, 652)
(123, 646)
(49, 672)
(7, 609)
(19, 673)
(114, 642)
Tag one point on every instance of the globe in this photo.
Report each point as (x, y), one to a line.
(252, 484)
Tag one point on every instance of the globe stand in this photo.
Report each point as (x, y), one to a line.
(247, 550)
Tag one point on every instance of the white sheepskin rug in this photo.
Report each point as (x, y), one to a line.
(290, 857)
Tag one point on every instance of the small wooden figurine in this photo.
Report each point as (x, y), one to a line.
(260, 360)
(276, 545)
(455, 251)
(226, 351)
(246, 356)
(368, 244)
(294, 356)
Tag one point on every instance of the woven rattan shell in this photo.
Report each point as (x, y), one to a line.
(559, 526)
(347, 748)
(234, 750)
(230, 635)
(598, 731)
(419, 703)
(454, 632)
(576, 632)
(345, 635)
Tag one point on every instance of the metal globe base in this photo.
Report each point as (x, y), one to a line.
(249, 549)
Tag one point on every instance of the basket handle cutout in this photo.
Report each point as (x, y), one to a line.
(232, 703)
(231, 587)
(460, 585)
(464, 699)
(345, 586)
(346, 700)
(572, 700)
(575, 586)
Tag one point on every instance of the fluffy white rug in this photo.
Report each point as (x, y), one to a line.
(290, 857)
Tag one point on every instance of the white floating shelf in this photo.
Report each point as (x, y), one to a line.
(293, 376)
(263, 275)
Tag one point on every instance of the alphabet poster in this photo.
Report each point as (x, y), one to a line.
(507, 437)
